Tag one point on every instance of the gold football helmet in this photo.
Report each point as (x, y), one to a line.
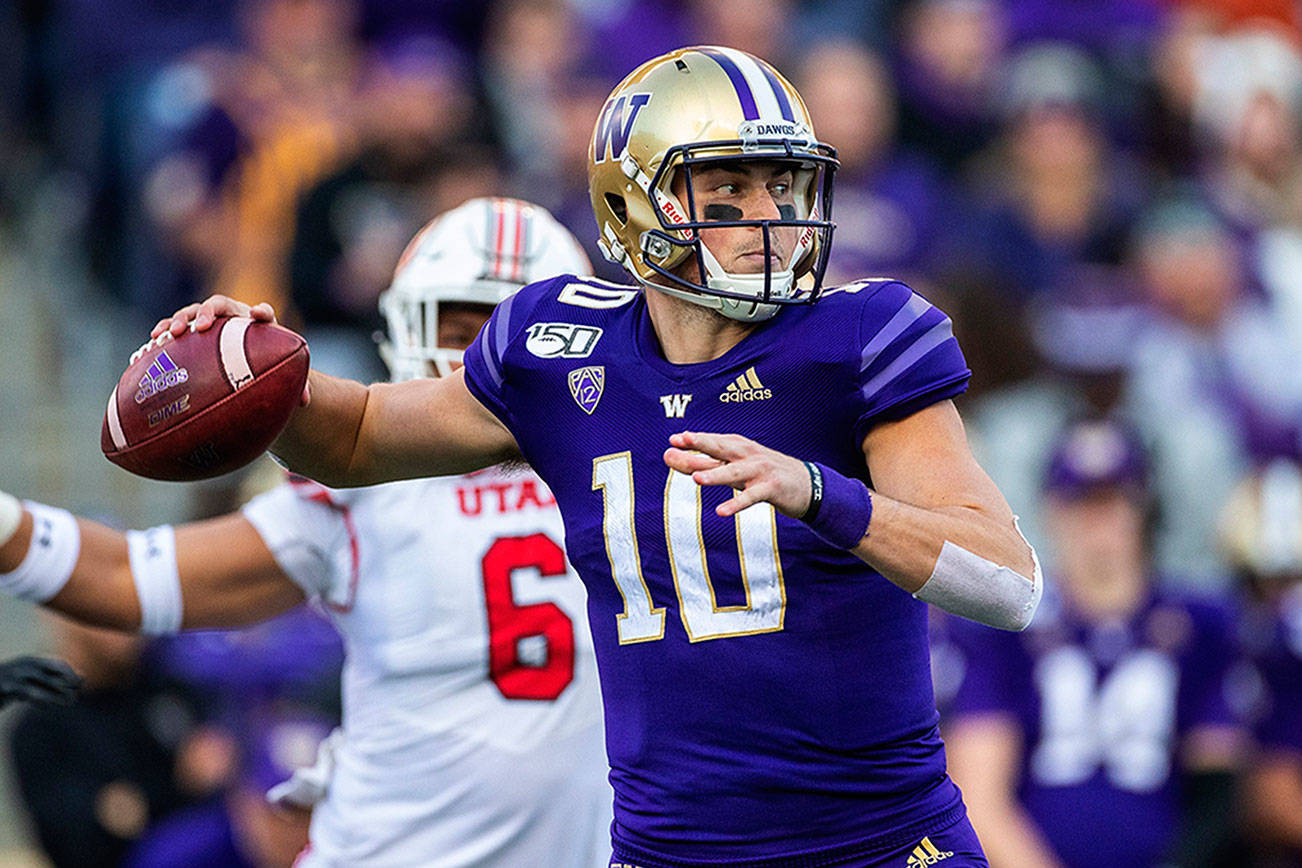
(695, 107)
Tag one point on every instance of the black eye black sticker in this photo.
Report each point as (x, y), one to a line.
(787, 212)
(722, 212)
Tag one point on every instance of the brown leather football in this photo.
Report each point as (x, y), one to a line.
(205, 403)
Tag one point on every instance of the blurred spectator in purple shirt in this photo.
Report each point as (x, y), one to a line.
(1105, 734)
(1053, 195)
(532, 51)
(888, 202)
(242, 829)
(217, 148)
(94, 775)
(565, 192)
(950, 56)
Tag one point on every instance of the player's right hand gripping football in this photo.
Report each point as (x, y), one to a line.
(200, 316)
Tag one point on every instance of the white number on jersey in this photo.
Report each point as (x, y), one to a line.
(702, 616)
(588, 294)
(1124, 724)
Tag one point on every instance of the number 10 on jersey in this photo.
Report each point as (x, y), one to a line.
(703, 618)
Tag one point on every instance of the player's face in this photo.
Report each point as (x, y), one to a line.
(1097, 537)
(459, 323)
(743, 191)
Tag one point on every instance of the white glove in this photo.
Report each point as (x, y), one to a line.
(308, 786)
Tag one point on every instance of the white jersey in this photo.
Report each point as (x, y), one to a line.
(472, 715)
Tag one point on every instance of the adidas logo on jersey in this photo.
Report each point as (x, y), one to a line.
(926, 854)
(747, 387)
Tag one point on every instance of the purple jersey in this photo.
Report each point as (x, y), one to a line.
(1280, 665)
(766, 695)
(1102, 708)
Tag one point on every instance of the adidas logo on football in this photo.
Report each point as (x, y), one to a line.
(161, 375)
(926, 854)
(747, 387)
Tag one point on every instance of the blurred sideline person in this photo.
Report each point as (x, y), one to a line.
(92, 777)
(242, 828)
(472, 716)
(1104, 734)
(1262, 532)
(710, 435)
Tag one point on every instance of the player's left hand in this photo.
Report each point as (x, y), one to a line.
(38, 680)
(756, 472)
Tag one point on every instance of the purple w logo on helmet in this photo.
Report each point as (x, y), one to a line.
(611, 138)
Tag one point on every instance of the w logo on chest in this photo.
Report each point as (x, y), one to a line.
(675, 405)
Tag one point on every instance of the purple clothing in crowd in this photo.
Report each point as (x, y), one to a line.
(1100, 26)
(1280, 666)
(886, 220)
(199, 837)
(1103, 707)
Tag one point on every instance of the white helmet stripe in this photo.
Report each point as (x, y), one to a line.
(519, 247)
(765, 100)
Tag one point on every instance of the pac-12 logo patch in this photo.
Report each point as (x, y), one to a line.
(162, 374)
(564, 340)
(586, 385)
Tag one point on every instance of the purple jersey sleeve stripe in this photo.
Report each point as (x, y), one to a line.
(739, 83)
(494, 370)
(502, 327)
(910, 312)
(494, 349)
(778, 91)
(930, 339)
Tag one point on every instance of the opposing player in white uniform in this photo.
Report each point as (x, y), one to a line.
(472, 730)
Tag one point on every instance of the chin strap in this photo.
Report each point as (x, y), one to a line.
(780, 285)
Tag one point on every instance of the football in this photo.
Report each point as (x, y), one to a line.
(205, 403)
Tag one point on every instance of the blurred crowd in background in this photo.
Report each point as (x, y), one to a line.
(1106, 195)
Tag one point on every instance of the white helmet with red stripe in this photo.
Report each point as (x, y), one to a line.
(478, 253)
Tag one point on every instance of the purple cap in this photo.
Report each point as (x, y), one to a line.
(1095, 454)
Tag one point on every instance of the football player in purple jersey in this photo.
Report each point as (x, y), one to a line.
(762, 480)
(1104, 734)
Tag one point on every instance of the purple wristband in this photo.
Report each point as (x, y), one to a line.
(840, 508)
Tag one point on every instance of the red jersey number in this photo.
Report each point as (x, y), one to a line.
(530, 648)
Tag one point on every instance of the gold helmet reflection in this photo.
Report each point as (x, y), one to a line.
(695, 107)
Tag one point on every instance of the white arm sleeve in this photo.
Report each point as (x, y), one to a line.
(972, 587)
(310, 536)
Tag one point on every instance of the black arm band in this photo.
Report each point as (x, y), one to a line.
(815, 491)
